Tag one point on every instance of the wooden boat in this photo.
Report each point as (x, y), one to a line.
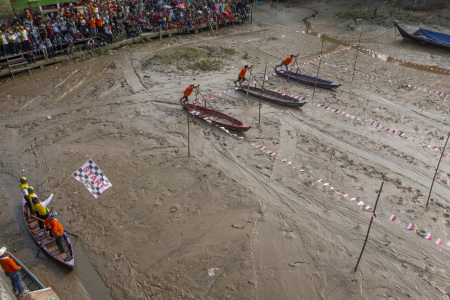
(218, 118)
(314, 81)
(424, 36)
(48, 243)
(272, 96)
(37, 290)
(30, 281)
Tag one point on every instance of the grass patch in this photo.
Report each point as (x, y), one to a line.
(204, 58)
(273, 38)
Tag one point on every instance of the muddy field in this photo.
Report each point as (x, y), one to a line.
(261, 228)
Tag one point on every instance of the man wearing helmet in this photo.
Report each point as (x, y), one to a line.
(188, 91)
(287, 61)
(241, 76)
(57, 230)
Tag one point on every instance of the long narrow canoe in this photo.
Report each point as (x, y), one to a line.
(216, 117)
(424, 36)
(33, 284)
(307, 79)
(48, 243)
(30, 281)
(272, 96)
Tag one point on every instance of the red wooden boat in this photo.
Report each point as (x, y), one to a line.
(46, 242)
(218, 118)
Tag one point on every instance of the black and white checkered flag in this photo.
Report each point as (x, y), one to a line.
(92, 178)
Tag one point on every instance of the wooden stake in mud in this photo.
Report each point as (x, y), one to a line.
(437, 168)
(251, 15)
(318, 68)
(298, 67)
(188, 121)
(260, 99)
(370, 225)
(160, 32)
(357, 50)
(249, 80)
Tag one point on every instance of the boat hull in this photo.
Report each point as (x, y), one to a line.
(216, 117)
(310, 80)
(47, 243)
(410, 33)
(272, 96)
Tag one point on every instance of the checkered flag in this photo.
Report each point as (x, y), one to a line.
(92, 178)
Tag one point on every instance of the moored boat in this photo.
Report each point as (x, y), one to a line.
(46, 242)
(215, 117)
(424, 36)
(272, 96)
(310, 80)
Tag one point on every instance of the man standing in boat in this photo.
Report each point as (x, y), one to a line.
(41, 209)
(57, 230)
(12, 271)
(287, 61)
(188, 91)
(241, 76)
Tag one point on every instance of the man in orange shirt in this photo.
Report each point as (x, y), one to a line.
(57, 230)
(287, 61)
(241, 76)
(188, 91)
(12, 271)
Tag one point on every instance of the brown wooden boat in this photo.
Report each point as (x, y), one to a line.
(46, 242)
(216, 117)
(272, 96)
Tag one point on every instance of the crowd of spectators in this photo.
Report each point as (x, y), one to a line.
(100, 22)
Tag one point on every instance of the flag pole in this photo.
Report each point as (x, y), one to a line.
(370, 225)
(318, 68)
(437, 168)
(357, 50)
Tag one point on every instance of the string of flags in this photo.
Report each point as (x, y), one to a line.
(372, 123)
(435, 92)
(404, 61)
(322, 181)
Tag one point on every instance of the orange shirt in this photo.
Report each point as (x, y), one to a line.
(57, 228)
(188, 91)
(92, 23)
(288, 60)
(243, 72)
(99, 22)
(8, 264)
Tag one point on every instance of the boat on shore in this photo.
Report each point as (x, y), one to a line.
(272, 96)
(310, 80)
(424, 36)
(215, 117)
(37, 289)
(46, 242)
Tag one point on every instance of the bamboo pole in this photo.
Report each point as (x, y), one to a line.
(318, 68)
(370, 225)
(260, 99)
(188, 121)
(437, 168)
(357, 51)
(249, 80)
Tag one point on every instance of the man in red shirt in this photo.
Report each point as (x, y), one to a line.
(12, 271)
(57, 230)
(188, 91)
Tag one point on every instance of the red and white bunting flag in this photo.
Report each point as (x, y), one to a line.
(360, 203)
(439, 241)
(320, 180)
(326, 184)
(368, 208)
(429, 236)
(290, 163)
(393, 217)
(410, 226)
(284, 160)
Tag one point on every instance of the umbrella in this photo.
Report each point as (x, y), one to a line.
(226, 13)
(180, 5)
(200, 12)
(166, 6)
